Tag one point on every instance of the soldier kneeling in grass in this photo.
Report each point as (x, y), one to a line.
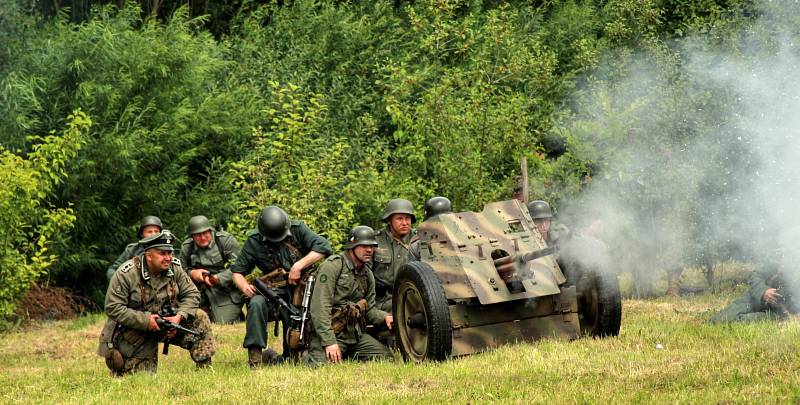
(344, 301)
(149, 300)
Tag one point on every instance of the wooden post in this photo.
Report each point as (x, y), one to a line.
(523, 168)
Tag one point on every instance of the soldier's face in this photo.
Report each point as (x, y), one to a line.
(150, 230)
(400, 224)
(158, 260)
(202, 239)
(543, 226)
(364, 253)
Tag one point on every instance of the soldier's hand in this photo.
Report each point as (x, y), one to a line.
(772, 296)
(249, 291)
(176, 320)
(333, 353)
(295, 273)
(211, 280)
(198, 275)
(153, 325)
(389, 320)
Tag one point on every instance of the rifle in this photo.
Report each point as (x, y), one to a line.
(168, 310)
(297, 329)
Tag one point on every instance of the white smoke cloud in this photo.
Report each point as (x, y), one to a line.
(698, 164)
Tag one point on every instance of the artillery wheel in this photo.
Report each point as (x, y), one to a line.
(599, 304)
(421, 314)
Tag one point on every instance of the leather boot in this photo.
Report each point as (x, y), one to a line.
(254, 356)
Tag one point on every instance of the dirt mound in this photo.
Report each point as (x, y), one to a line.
(52, 303)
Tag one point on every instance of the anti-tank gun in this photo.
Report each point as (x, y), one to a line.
(487, 278)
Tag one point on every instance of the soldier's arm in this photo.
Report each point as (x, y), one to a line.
(311, 242)
(759, 282)
(126, 255)
(322, 301)
(188, 295)
(374, 315)
(116, 304)
(232, 249)
(186, 260)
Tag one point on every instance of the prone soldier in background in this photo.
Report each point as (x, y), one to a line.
(394, 248)
(149, 225)
(344, 302)
(279, 244)
(770, 297)
(206, 255)
(139, 304)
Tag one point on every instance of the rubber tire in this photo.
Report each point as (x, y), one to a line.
(606, 318)
(437, 312)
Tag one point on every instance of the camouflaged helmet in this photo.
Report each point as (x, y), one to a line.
(361, 235)
(540, 209)
(437, 205)
(160, 241)
(149, 220)
(399, 206)
(198, 224)
(273, 224)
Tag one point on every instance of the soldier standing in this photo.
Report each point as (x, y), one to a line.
(206, 255)
(149, 225)
(394, 248)
(137, 292)
(344, 301)
(279, 243)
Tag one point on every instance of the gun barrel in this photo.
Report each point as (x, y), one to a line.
(167, 325)
(524, 257)
(273, 297)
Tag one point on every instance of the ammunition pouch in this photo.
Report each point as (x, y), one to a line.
(297, 294)
(114, 360)
(277, 278)
(349, 315)
(294, 339)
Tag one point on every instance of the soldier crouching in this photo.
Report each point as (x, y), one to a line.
(344, 301)
(142, 287)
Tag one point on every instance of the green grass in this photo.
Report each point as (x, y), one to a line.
(55, 363)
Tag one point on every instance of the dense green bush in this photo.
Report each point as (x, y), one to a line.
(29, 227)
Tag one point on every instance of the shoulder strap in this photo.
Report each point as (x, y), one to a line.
(221, 250)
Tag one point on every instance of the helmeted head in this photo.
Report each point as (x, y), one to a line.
(542, 215)
(361, 244)
(149, 225)
(540, 209)
(361, 235)
(399, 215)
(437, 205)
(198, 224)
(273, 224)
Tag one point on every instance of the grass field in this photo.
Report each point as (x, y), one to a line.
(55, 363)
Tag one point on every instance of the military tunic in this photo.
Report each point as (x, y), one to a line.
(133, 249)
(752, 307)
(339, 283)
(390, 255)
(133, 294)
(224, 299)
(268, 256)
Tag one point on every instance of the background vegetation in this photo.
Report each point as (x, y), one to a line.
(326, 108)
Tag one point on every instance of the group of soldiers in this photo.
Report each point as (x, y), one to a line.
(208, 282)
(155, 297)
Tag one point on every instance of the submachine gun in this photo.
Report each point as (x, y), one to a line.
(165, 311)
(297, 330)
